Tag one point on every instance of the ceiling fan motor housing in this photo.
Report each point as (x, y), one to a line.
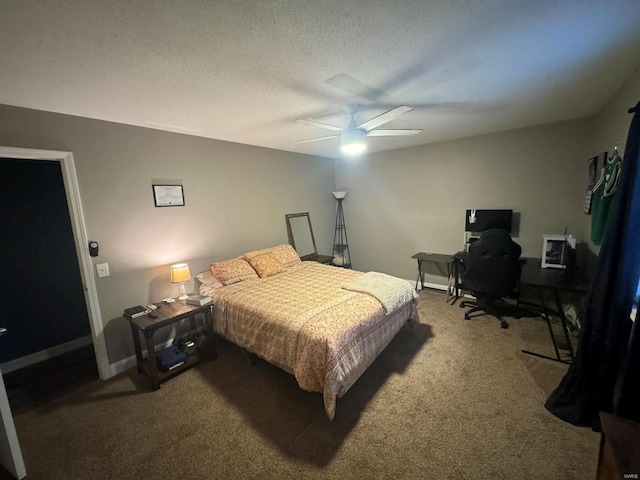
(352, 135)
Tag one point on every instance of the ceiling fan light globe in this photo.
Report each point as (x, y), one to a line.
(353, 148)
(352, 142)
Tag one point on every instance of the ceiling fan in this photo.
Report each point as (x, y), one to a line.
(352, 137)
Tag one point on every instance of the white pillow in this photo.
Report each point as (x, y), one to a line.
(208, 283)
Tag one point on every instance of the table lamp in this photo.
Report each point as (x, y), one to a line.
(179, 274)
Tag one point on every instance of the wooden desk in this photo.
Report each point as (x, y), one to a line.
(555, 281)
(325, 259)
(619, 448)
(441, 258)
(553, 278)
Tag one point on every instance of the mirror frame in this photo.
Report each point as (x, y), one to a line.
(292, 241)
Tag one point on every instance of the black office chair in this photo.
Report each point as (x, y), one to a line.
(490, 270)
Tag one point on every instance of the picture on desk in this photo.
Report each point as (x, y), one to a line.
(558, 251)
(555, 252)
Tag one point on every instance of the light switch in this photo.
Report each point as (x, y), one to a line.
(103, 269)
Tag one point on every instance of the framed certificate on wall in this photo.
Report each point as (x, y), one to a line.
(168, 195)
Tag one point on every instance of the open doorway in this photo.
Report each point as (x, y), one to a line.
(45, 315)
(11, 462)
(88, 331)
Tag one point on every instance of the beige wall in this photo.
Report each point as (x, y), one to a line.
(410, 200)
(400, 202)
(236, 197)
(611, 128)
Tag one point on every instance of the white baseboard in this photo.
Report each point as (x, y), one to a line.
(435, 286)
(439, 286)
(130, 362)
(46, 354)
(122, 365)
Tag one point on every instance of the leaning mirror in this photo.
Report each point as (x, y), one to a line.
(301, 234)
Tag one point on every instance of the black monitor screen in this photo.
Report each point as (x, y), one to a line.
(486, 219)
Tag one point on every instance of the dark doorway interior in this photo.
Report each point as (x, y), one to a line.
(43, 302)
(36, 385)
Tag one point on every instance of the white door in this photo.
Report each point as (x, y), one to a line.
(10, 453)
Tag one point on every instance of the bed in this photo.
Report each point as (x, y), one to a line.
(323, 324)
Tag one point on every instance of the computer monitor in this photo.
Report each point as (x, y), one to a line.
(481, 220)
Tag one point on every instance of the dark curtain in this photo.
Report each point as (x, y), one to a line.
(605, 375)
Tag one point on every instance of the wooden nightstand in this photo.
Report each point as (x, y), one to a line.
(619, 448)
(168, 314)
(326, 259)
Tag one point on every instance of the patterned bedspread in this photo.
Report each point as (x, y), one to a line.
(390, 291)
(304, 322)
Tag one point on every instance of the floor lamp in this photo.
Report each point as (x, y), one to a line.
(341, 255)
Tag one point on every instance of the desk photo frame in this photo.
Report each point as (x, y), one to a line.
(168, 195)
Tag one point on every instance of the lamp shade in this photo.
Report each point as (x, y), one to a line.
(339, 195)
(180, 273)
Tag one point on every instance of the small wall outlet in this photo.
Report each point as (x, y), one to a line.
(102, 269)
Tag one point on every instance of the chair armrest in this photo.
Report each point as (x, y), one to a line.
(461, 256)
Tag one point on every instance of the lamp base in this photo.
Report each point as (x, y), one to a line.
(183, 292)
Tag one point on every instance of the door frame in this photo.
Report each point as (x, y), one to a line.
(10, 452)
(81, 240)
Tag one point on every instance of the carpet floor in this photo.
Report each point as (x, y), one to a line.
(448, 398)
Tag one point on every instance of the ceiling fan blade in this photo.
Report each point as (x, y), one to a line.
(392, 133)
(344, 112)
(385, 117)
(315, 139)
(328, 117)
(348, 84)
(313, 123)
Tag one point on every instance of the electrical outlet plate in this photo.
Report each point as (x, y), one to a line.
(102, 269)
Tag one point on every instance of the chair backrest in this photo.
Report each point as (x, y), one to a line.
(492, 266)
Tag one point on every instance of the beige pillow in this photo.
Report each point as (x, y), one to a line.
(254, 253)
(266, 264)
(233, 271)
(286, 254)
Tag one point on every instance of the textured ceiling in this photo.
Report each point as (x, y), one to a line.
(243, 71)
